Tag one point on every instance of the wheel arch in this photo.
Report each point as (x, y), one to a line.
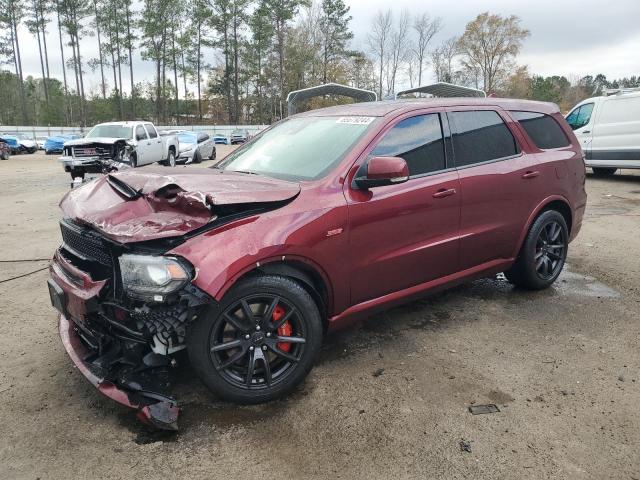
(303, 270)
(555, 202)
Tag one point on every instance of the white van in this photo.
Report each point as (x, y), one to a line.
(608, 129)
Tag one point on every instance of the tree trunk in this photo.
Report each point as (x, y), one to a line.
(104, 88)
(198, 71)
(64, 70)
(18, 64)
(280, 34)
(44, 78)
(236, 93)
(175, 76)
(130, 48)
(119, 64)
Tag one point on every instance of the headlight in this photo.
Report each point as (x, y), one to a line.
(152, 277)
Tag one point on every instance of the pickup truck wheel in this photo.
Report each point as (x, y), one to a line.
(259, 343)
(603, 171)
(4, 156)
(171, 161)
(134, 161)
(543, 253)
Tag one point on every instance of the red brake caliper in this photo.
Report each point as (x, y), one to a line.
(284, 330)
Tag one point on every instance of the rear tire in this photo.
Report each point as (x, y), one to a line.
(543, 253)
(213, 154)
(603, 171)
(242, 357)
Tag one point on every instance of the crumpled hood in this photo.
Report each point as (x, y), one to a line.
(148, 204)
(85, 141)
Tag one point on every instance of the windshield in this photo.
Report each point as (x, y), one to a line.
(303, 148)
(186, 138)
(110, 131)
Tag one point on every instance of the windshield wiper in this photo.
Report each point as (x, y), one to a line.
(123, 188)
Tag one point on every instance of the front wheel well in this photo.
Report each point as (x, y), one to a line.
(305, 275)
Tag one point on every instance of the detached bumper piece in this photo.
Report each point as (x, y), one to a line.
(133, 388)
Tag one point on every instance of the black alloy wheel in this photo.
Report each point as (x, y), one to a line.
(543, 252)
(246, 346)
(260, 343)
(550, 250)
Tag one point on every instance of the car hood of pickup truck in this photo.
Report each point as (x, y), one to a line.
(150, 204)
(85, 141)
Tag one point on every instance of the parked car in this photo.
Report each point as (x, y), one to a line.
(12, 141)
(55, 144)
(239, 136)
(247, 265)
(107, 144)
(27, 143)
(5, 149)
(194, 146)
(41, 141)
(220, 139)
(608, 128)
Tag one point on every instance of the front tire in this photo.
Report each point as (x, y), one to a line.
(543, 253)
(197, 157)
(603, 171)
(259, 343)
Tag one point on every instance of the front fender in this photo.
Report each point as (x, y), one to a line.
(223, 255)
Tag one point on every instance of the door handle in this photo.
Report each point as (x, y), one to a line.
(587, 131)
(444, 192)
(531, 174)
(148, 143)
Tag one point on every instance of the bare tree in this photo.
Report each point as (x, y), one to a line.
(489, 46)
(443, 60)
(400, 48)
(378, 41)
(426, 28)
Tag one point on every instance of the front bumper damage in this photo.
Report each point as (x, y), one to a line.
(124, 348)
(152, 410)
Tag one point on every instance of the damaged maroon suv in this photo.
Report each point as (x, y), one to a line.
(325, 217)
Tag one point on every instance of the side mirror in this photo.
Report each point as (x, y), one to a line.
(383, 171)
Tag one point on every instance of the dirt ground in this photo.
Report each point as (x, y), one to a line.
(562, 365)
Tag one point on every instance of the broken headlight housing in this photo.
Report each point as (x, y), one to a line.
(149, 277)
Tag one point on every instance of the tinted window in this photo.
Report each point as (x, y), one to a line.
(580, 116)
(151, 129)
(140, 133)
(418, 140)
(481, 136)
(202, 137)
(543, 129)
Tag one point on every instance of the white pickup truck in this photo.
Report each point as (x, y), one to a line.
(108, 144)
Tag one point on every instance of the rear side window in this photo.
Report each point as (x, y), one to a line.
(152, 130)
(418, 140)
(202, 137)
(543, 129)
(480, 136)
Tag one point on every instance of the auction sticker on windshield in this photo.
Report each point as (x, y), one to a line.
(356, 120)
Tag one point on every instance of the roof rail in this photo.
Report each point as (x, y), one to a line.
(620, 91)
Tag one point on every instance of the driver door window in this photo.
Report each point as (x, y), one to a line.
(418, 140)
(140, 133)
(580, 116)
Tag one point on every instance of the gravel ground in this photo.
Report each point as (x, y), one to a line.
(389, 397)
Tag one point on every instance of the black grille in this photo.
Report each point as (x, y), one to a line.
(85, 243)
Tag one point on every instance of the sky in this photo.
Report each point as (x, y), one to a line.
(568, 37)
